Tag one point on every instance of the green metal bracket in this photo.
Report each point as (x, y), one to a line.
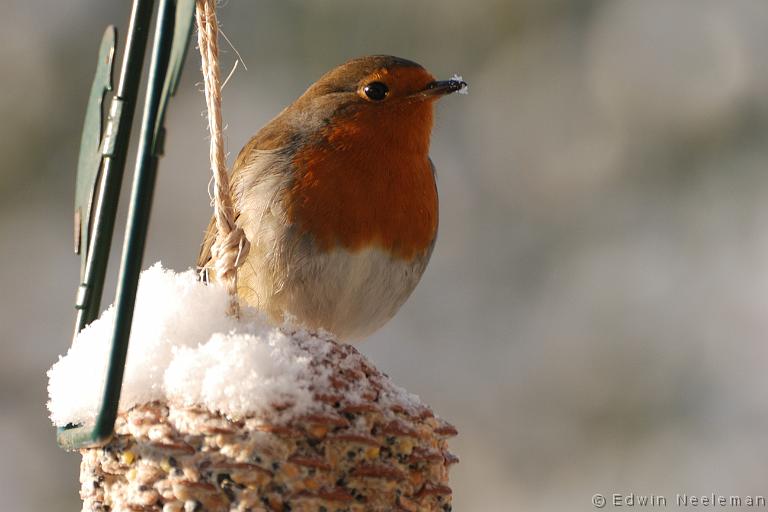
(89, 163)
(114, 148)
(172, 30)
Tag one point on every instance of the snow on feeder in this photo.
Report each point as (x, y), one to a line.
(211, 407)
(218, 413)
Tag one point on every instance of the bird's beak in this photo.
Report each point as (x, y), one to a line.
(441, 88)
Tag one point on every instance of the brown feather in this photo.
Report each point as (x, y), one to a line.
(262, 140)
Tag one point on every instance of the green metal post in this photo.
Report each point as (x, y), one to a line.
(120, 115)
(150, 147)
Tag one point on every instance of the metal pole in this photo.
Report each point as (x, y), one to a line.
(135, 238)
(120, 118)
(138, 222)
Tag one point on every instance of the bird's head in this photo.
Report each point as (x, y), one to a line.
(379, 98)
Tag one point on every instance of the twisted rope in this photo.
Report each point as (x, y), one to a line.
(231, 246)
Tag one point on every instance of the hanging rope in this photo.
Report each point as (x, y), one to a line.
(231, 246)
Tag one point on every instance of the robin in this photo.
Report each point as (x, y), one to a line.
(337, 198)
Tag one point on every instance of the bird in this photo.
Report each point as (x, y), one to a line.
(338, 200)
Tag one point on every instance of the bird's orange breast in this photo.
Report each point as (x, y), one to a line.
(368, 181)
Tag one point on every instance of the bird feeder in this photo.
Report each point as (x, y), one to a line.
(364, 444)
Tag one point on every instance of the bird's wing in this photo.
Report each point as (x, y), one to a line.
(204, 258)
(256, 158)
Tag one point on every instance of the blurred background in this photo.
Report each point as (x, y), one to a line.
(594, 317)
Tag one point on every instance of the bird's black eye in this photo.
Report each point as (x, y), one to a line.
(376, 91)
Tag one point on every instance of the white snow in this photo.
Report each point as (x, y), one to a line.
(185, 349)
(459, 78)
